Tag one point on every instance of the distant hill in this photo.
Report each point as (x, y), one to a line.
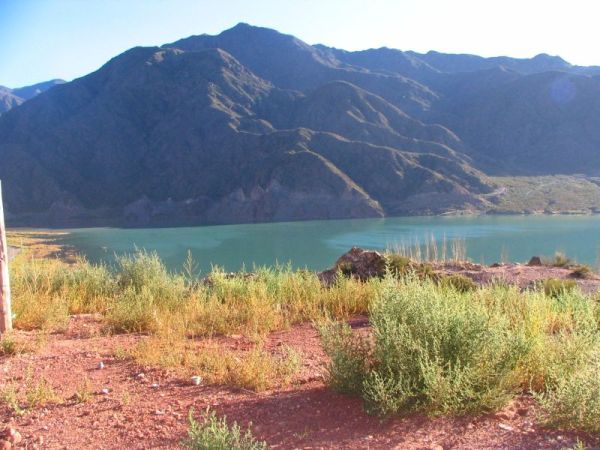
(9, 98)
(255, 125)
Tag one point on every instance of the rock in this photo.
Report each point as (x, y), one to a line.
(535, 261)
(359, 263)
(104, 391)
(196, 380)
(100, 365)
(436, 447)
(12, 436)
(505, 427)
(154, 386)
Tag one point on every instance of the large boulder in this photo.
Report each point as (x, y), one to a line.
(358, 263)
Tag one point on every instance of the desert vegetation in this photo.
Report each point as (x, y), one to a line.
(435, 343)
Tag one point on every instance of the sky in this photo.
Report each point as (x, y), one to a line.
(46, 39)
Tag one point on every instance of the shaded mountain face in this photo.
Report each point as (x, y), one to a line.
(9, 98)
(253, 125)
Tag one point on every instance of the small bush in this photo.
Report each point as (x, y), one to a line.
(398, 265)
(582, 271)
(349, 357)
(559, 260)
(555, 288)
(215, 434)
(459, 283)
(8, 346)
(574, 403)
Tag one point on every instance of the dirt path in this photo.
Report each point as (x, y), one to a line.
(151, 412)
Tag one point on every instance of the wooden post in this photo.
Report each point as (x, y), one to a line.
(5, 309)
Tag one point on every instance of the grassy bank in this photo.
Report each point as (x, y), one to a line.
(439, 346)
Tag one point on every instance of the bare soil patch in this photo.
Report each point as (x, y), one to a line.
(126, 410)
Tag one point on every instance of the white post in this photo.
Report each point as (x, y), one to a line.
(5, 309)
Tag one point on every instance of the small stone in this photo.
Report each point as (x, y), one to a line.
(505, 427)
(158, 412)
(196, 380)
(505, 415)
(535, 261)
(436, 447)
(104, 391)
(154, 386)
(141, 376)
(100, 365)
(13, 436)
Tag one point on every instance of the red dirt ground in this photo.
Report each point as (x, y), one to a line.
(137, 414)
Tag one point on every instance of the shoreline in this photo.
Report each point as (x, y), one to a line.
(449, 214)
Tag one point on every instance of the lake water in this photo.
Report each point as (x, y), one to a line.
(317, 244)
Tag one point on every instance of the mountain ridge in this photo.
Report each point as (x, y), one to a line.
(254, 125)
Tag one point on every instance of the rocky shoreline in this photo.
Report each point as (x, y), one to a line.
(364, 264)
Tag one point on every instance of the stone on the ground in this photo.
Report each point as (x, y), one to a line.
(535, 261)
(359, 263)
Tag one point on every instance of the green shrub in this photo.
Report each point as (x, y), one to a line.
(582, 271)
(215, 434)
(439, 351)
(398, 265)
(554, 287)
(559, 260)
(459, 282)
(435, 350)
(349, 356)
(574, 402)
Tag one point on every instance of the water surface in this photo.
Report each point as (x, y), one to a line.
(317, 244)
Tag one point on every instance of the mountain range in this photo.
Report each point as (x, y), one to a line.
(254, 125)
(9, 98)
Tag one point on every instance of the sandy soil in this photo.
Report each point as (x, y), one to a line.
(152, 412)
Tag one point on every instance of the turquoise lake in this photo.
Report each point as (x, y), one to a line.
(317, 244)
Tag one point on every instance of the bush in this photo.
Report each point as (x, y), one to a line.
(215, 434)
(559, 260)
(435, 350)
(349, 354)
(439, 351)
(582, 271)
(574, 402)
(555, 288)
(398, 265)
(459, 283)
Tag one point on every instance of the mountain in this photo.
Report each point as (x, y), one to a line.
(254, 125)
(9, 98)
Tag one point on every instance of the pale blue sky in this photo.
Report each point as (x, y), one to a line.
(44, 39)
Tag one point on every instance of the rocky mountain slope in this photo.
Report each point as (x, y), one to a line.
(254, 125)
(9, 98)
